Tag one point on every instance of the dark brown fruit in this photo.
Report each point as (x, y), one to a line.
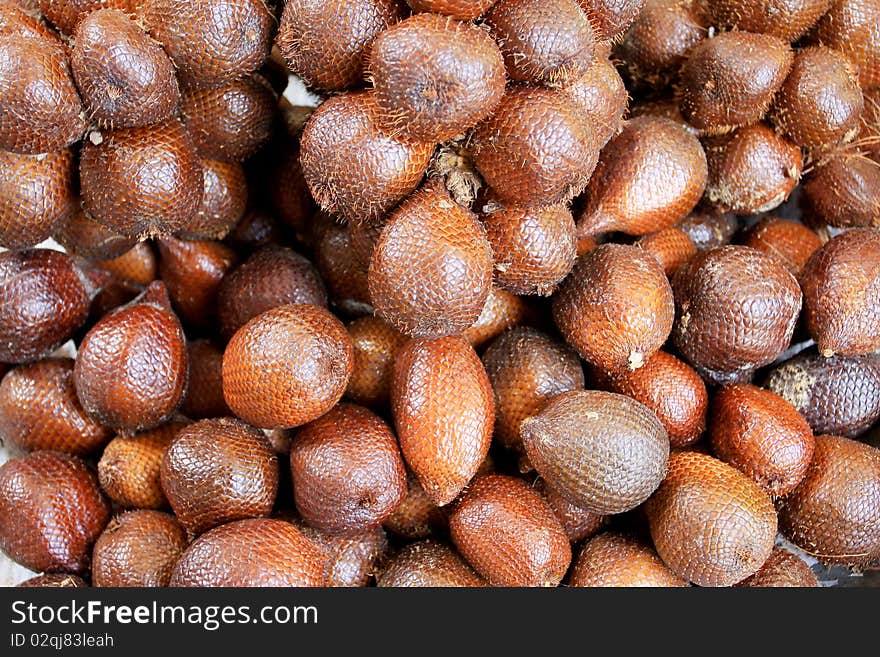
(729, 80)
(51, 512)
(42, 109)
(138, 265)
(375, 347)
(649, 177)
(751, 170)
(838, 395)
(257, 228)
(853, 28)
(790, 241)
(230, 122)
(220, 470)
(142, 182)
(352, 167)
(431, 269)
(348, 474)
(509, 534)
(786, 19)
(36, 196)
(204, 396)
(736, 309)
(44, 298)
(435, 77)
(138, 548)
(762, 435)
(671, 389)
(602, 451)
(613, 559)
(67, 14)
(533, 248)
(543, 41)
(287, 366)
(289, 192)
(502, 311)
(130, 467)
(131, 370)
(125, 79)
(841, 284)
(441, 400)
(345, 279)
(54, 581)
(672, 247)
(211, 42)
(428, 564)
(601, 95)
(83, 236)
(616, 307)
(834, 514)
(352, 559)
(844, 190)
(224, 199)
(577, 522)
(464, 10)
(417, 516)
(782, 569)
(709, 230)
(326, 43)
(526, 368)
(257, 552)
(710, 523)
(39, 410)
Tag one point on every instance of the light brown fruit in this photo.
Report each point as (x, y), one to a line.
(786, 19)
(601, 95)
(782, 569)
(204, 395)
(416, 516)
(577, 522)
(464, 10)
(613, 559)
(502, 311)
(138, 265)
(672, 247)
(790, 241)
(375, 347)
(428, 563)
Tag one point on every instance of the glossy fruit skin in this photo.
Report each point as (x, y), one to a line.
(711, 524)
(609, 464)
(526, 369)
(417, 516)
(224, 199)
(39, 410)
(344, 276)
(577, 522)
(67, 14)
(146, 388)
(709, 230)
(790, 241)
(138, 548)
(672, 247)
(734, 286)
(838, 395)
(851, 26)
(834, 514)
(435, 78)
(441, 401)
(22, 17)
(428, 564)
(610, 18)
(255, 553)
(138, 265)
(44, 298)
(287, 366)
(613, 559)
(509, 534)
(843, 190)
(616, 307)
(601, 94)
(430, 272)
(83, 236)
(762, 435)
(204, 395)
(782, 569)
(219, 470)
(464, 10)
(352, 560)
(502, 311)
(841, 284)
(51, 512)
(375, 347)
(786, 19)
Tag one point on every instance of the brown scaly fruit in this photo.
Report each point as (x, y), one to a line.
(782, 569)
(613, 559)
(428, 563)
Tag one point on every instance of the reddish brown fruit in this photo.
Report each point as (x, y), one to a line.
(51, 512)
(145, 388)
(431, 269)
(54, 581)
(230, 122)
(36, 196)
(670, 388)
(67, 14)
(536, 149)
(509, 534)
(710, 523)
(616, 307)
(526, 368)
(273, 276)
(578, 523)
(130, 467)
(289, 193)
(345, 279)
(435, 77)
(464, 10)
(142, 182)
(838, 395)
(138, 548)
(441, 400)
(224, 199)
(376, 345)
(844, 190)
(602, 96)
(610, 18)
(138, 265)
(257, 552)
(834, 514)
(672, 247)
(257, 228)
(649, 177)
(204, 396)
(327, 43)
(786, 19)
(352, 560)
(44, 298)
(841, 283)
(39, 410)
(43, 111)
(853, 28)
(663, 107)
(613, 559)
(347, 471)
(83, 236)
(428, 564)
(416, 516)
(287, 366)
(23, 18)
(736, 310)
(124, 77)
(709, 230)
(782, 569)
(790, 241)
(502, 311)
(216, 471)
